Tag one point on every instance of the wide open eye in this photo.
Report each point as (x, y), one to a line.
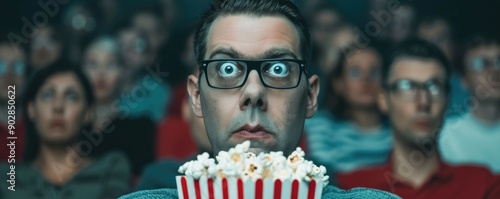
(278, 69)
(405, 85)
(228, 69)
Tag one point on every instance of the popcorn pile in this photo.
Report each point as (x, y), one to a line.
(239, 163)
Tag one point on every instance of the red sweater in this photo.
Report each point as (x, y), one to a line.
(447, 182)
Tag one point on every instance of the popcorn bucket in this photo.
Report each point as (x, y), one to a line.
(237, 188)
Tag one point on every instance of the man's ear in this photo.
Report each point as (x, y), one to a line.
(194, 95)
(382, 102)
(312, 101)
(186, 111)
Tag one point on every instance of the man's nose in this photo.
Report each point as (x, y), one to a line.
(253, 93)
(423, 100)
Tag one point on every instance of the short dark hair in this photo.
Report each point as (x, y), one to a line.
(285, 8)
(416, 48)
(33, 87)
(476, 41)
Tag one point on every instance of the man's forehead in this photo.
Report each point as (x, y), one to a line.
(8, 50)
(248, 36)
(418, 69)
(485, 50)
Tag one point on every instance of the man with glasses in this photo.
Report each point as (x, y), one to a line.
(475, 136)
(253, 83)
(415, 96)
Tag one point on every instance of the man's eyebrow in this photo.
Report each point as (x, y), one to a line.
(231, 52)
(270, 54)
(278, 53)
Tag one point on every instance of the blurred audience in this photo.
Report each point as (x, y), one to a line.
(474, 136)
(146, 92)
(79, 23)
(46, 46)
(112, 128)
(13, 72)
(415, 95)
(437, 30)
(325, 20)
(326, 60)
(162, 174)
(336, 44)
(402, 25)
(351, 132)
(58, 163)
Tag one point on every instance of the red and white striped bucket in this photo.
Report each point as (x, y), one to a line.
(234, 188)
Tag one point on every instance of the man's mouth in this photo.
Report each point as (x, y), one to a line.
(423, 123)
(252, 132)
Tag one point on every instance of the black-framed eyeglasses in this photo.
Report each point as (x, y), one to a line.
(273, 73)
(480, 64)
(407, 90)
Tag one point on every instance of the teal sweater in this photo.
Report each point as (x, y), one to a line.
(328, 192)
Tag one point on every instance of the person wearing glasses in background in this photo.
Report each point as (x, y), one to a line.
(475, 136)
(415, 96)
(253, 83)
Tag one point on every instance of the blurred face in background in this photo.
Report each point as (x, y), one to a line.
(150, 25)
(337, 43)
(12, 70)
(134, 48)
(482, 72)
(415, 113)
(360, 81)
(59, 109)
(324, 24)
(102, 66)
(45, 47)
(438, 32)
(402, 24)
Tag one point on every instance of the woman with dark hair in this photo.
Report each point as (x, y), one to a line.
(115, 131)
(350, 132)
(58, 108)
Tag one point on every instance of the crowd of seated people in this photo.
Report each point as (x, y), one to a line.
(102, 105)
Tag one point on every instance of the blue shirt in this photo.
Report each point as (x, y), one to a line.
(341, 146)
(468, 140)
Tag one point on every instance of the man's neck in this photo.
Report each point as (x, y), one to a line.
(365, 118)
(488, 111)
(411, 164)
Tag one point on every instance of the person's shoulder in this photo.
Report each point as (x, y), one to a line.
(469, 171)
(111, 159)
(168, 163)
(376, 174)
(456, 122)
(152, 194)
(334, 192)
